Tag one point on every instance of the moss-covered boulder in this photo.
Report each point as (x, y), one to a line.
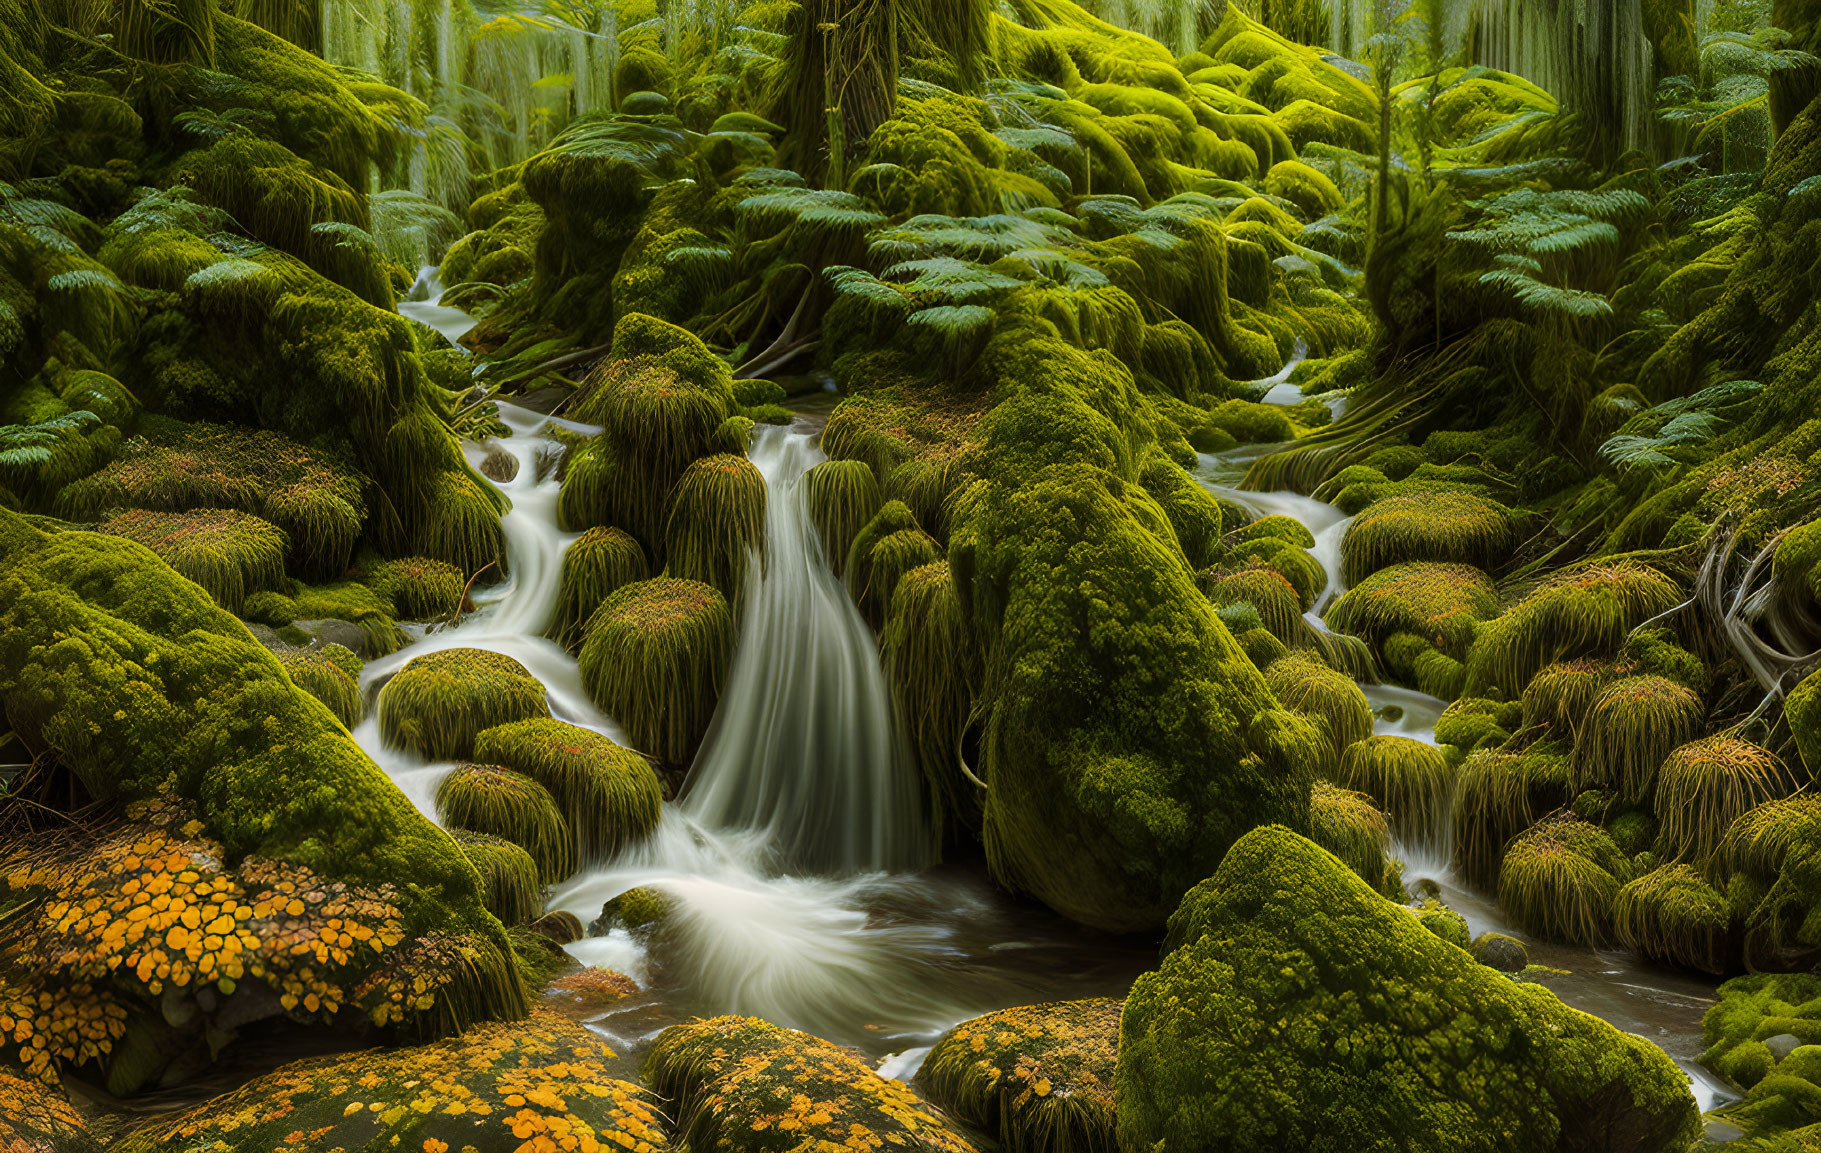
(610, 796)
(1445, 526)
(1295, 1008)
(228, 553)
(1036, 1078)
(654, 656)
(439, 702)
(741, 1085)
(541, 1084)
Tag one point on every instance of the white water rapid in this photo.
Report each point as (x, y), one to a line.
(424, 303)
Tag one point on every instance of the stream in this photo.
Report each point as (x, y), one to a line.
(796, 859)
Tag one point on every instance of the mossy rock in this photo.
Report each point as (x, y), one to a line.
(1498, 951)
(269, 773)
(888, 547)
(654, 657)
(715, 522)
(1559, 881)
(741, 1083)
(600, 563)
(1581, 613)
(1409, 779)
(230, 554)
(1350, 825)
(1560, 695)
(496, 801)
(331, 674)
(588, 992)
(1498, 795)
(1305, 685)
(1441, 603)
(495, 1089)
(420, 589)
(1249, 422)
(1630, 730)
(1037, 1077)
(439, 702)
(510, 883)
(1445, 923)
(1672, 914)
(932, 665)
(1295, 1008)
(1473, 723)
(639, 911)
(1441, 526)
(609, 796)
(1706, 785)
(842, 496)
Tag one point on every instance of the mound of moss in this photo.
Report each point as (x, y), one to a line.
(541, 1083)
(741, 1083)
(1296, 1008)
(1037, 1077)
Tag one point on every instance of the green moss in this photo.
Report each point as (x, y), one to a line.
(509, 876)
(597, 565)
(1559, 881)
(1671, 914)
(1497, 796)
(439, 702)
(1250, 423)
(1268, 591)
(332, 675)
(654, 657)
(1580, 613)
(843, 496)
(609, 796)
(1331, 699)
(1559, 696)
(1752, 1008)
(228, 553)
(1409, 779)
(1445, 923)
(1350, 825)
(1296, 1008)
(501, 803)
(890, 546)
(1033, 1077)
(143, 687)
(639, 911)
(1631, 727)
(1441, 603)
(1704, 786)
(420, 589)
(726, 1079)
(1474, 723)
(932, 665)
(1194, 514)
(1441, 526)
(715, 522)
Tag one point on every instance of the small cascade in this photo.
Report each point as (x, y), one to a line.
(809, 751)
(1277, 388)
(424, 304)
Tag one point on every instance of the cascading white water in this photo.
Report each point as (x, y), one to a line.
(810, 755)
(424, 304)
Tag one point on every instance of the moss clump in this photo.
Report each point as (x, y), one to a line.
(1497, 796)
(1671, 914)
(436, 704)
(1559, 881)
(588, 992)
(1704, 786)
(843, 496)
(1559, 696)
(1753, 1008)
(1350, 825)
(660, 398)
(609, 796)
(501, 803)
(311, 496)
(1440, 603)
(931, 663)
(331, 674)
(639, 911)
(1409, 779)
(1038, 1077)
(1631, 727)
(1295, 1008)
(1474, 723)
(715, 521)
(1331, 699)
(1445, 923)
(229, 554)
(889, 546)
(420, 589)
(495, 1089)
(727, 1080)
(654, 656)
(509, 876)
(1439, 525)
(89, 622)
(1584, 613)
(1279, 605)
(599, 564)
(37, 1116)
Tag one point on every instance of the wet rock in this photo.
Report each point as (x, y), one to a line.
(499, 465)
(587, 992)
(1297, 1009)
(1497, 951)
(328, 631)
(1445, 923)
(729, 1080)
(1782, 1045)
(1035, 1077)
(638, 911)
(561, 927)
(537, 1084)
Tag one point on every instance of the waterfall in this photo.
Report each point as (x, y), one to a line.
(805, 746)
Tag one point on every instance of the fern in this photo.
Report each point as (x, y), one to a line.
(1691, 419)
(816, 209)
